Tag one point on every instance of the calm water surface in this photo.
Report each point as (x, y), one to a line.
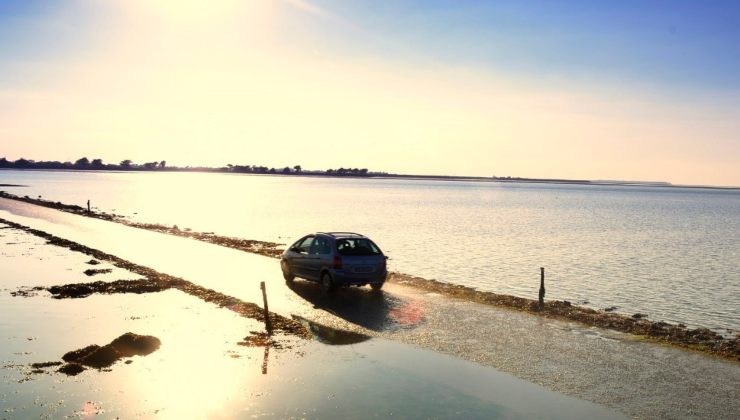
(669, 252)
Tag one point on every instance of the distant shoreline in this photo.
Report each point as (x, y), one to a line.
(375, 175)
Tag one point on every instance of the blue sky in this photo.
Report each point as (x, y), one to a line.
(671, 44)
(645, 90)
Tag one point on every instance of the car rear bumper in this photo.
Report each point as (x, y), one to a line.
(344, 278)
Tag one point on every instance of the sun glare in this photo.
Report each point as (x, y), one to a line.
(201, 11)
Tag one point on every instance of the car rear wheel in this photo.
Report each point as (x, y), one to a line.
(377, 286)
(287, 273)
(327, 284)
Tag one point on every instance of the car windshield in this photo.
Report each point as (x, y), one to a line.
(357, 247)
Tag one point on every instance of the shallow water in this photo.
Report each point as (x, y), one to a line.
(637, 378)
(201, 371)
(667, 252)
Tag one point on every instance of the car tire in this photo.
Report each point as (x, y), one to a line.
(376, 286)
(287, 273)
(327, 284)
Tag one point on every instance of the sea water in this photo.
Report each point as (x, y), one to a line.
(671, 253)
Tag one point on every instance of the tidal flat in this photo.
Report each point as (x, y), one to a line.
(725, 343)
(485, 342)
(206, 362)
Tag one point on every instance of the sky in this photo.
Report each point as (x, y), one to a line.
(628, 90)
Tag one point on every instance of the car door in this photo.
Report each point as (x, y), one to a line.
(318, 255)
(299, 259)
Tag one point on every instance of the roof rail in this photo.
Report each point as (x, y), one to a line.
(342, 233)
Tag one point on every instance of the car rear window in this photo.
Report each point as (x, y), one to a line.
(357, 247)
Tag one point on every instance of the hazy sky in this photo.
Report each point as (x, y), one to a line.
(635, 90)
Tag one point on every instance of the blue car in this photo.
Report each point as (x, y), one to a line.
(335, 259)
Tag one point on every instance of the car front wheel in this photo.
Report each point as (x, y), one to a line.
(287, 273)
(377, 286)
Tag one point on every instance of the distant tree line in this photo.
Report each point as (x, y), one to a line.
(128, 165)
(82, 164)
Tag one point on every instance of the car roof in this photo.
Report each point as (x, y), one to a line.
(343, 234)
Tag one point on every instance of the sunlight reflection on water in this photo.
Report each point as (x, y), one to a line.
(201, 371)
(670, 253)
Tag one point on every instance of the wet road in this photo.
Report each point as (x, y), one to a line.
(637, 378)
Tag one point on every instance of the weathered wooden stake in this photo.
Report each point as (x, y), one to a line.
(268, 323)
(88, 206)
(265, 358)
(542, 287)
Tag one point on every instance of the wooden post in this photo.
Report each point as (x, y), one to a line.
(88, 206)
(268, 323)
(542, 287)
(265, 358)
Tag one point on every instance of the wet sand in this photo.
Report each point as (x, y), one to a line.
(637, 378)
(270, 249)
(698, 339)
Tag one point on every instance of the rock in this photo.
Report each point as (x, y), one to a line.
(44, 364)
(71, 291)
(611, 309)
(131, 344)
(71, 369)
(102, 357)
(639, 316)
(76, 355)
(127, 345)
(94, 271)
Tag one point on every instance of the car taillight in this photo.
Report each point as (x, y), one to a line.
(337, 261)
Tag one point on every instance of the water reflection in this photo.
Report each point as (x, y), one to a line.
(376, 311)
(612, 246)
(194, 373)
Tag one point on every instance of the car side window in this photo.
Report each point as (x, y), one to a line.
(305, 245)
(320, 246)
